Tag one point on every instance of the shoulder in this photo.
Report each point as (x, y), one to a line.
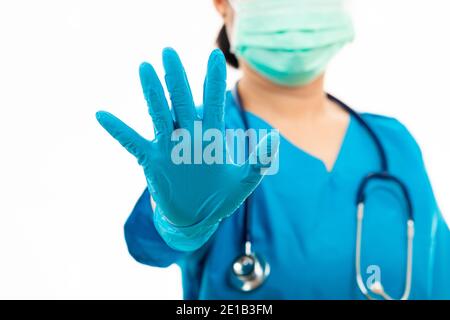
(386, 124)
(407, 163)
(394, 134)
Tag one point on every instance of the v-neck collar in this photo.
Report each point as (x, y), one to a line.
(295, 148)
(285, 141)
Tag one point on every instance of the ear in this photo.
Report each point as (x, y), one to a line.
(222, 7)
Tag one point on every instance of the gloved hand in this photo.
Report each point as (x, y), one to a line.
(191, 199)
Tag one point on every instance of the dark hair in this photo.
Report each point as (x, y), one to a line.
(223, 42)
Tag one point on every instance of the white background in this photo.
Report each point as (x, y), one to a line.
(66, 187)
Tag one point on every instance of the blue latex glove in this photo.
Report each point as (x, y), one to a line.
(191, 199)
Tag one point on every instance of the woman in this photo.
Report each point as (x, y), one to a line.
(300, 222)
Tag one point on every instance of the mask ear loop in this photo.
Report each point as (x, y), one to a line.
(233, 32)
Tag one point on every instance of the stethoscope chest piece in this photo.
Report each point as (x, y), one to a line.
(249, 272)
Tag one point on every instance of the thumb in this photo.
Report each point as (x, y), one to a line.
(264, 159)
(126, 136)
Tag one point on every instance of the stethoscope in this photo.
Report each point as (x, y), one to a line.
(250, 270)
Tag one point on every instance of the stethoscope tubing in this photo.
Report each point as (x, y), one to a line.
(383, 175)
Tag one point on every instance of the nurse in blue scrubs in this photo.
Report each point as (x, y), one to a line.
(303, 219)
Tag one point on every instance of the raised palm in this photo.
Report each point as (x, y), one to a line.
(188, 193)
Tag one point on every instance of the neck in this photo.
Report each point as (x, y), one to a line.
(261, 96)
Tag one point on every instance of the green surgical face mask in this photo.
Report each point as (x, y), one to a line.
(290, 42)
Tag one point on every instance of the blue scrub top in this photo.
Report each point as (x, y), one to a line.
(303, 221)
